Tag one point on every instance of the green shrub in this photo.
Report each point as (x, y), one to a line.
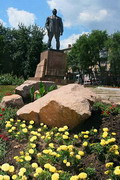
(106, 109)
(10, 79)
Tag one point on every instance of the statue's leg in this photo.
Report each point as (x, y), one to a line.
(57, 37)
(50, 36)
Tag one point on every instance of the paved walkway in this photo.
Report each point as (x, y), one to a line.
(111, 94)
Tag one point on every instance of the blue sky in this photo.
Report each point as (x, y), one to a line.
(79, 16)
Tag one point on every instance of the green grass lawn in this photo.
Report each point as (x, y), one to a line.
(6, 90)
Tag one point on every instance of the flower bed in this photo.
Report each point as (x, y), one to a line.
(58, 153)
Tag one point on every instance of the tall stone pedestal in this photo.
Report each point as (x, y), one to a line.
(52, 66)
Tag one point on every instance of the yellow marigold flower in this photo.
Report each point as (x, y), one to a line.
(10, 130)
(33, 145)
(71, 153)
(61, 129)
(30, 127)
(21, 173)
(21, 152)
(74, 178)
(76, 136)
(65, 137)
(23, 170)
(105, 134)
(31, 122)
(65, 127)
(85, 136)
(105, 129)
(18, 120)
(5, 167)
(28, 158)
(51, 145)
(13, 128)
(41, 124)
(39, 130)
(85, 144)
(107, 172)
(39, 170)
(39, 155)
(113, 133)
(81, 153)
(35, 174)
(47, 165)
(1, 177)
(95, 130)
(8, 125)
(25, 130)
(87, 132)
(6, 177)
(117, 172)
(11, 169)
(42, 137)
(23, 125)
(12, 120)
(82, 175)
(55, 176)
(103, 142)
(68, 164)
(78, 156)
(24, 178)
(115, 147)
(52, 169)
(110, 164)
(65, 161)
(45, 126)
(34, 165)
(38, 134)
(116, 152)
(14, 176)
(67, 133)
(31, 151)
(113, 139)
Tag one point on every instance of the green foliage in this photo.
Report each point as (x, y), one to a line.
(2, 148)
(10, 79)
(5, 114)
(20, 49)
(90, 171)
(32, 90)
(114, 56)
(85, 52)
(41, 92)
(6, 90)
(106, 109)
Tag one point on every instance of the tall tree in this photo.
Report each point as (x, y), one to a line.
(22, 48)
(114, 57)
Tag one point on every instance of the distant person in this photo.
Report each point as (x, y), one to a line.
(54, 27)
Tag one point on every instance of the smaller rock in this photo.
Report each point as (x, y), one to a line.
(24, 89)
(13, 100)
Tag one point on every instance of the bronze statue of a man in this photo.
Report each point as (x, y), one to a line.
(54, 27)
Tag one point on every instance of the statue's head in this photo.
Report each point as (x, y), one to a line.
(54, 11)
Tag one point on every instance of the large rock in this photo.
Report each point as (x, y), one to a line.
(69, 105)
(13, 100)
(24, 89)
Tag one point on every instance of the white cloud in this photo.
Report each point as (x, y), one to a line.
(94, 14)
(70, 40)
(2, 22)
(17, 17)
